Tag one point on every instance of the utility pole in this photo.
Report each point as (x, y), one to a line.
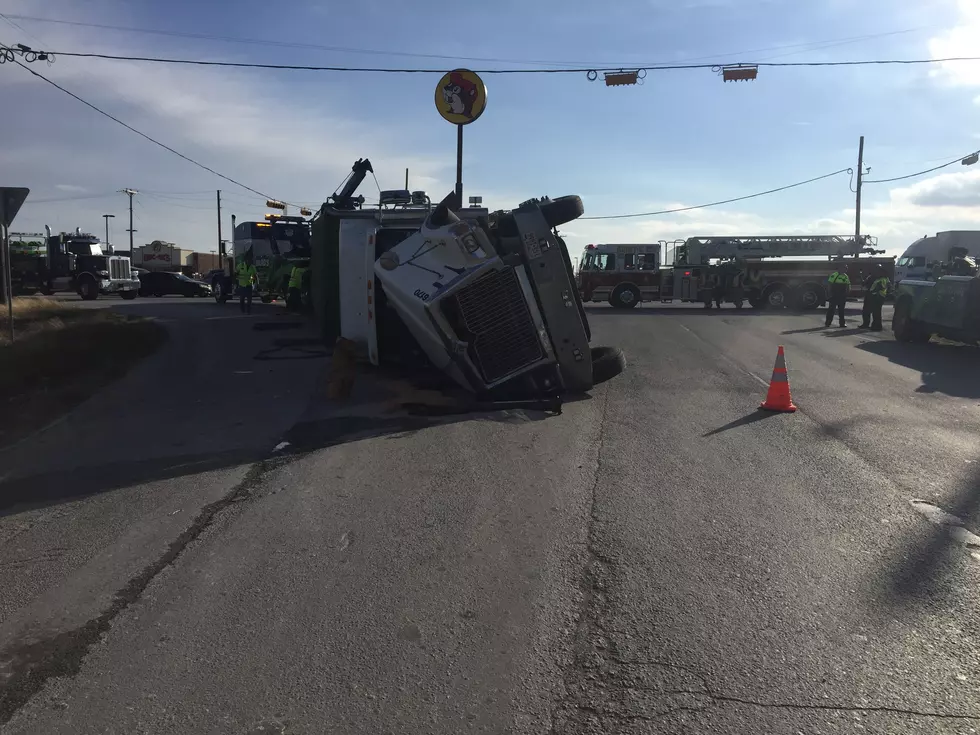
(107, 243)
(219, 227)
(857, 204)
(131, 193)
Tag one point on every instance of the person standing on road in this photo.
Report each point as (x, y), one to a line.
(874, 299)
(247, 277)
(294, 294)
(839, 283)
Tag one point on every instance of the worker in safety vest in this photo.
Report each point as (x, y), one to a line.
(874, 299)
(294, 294)
(247, 280)
(839, 284)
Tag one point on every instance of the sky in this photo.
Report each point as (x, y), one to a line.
(682, 138)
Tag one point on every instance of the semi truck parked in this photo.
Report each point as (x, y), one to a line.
(487, 298)
(917, 262)
(70, 262)
(767, 272)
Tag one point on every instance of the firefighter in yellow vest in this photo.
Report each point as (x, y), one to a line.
(294, 294)
(247, 280)
(839, 285)
(874, 299)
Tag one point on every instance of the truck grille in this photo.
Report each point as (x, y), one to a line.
(498, 325)
(119, 269)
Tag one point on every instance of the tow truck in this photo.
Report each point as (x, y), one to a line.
(487, 298)
(71, 262)
(948, 307)
(771, 269)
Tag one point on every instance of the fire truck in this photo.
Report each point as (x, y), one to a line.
(770, 271)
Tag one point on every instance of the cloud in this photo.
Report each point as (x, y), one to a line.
(70, 187)
(947, 190)
(961, 40)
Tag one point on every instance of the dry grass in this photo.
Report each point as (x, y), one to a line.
(61, 355)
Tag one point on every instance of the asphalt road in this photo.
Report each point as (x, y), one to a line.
(659, 558)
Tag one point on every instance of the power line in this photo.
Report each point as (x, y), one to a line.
(141, 134)
(724, 201)
(342, 49)
(580, 70)
(920, 173)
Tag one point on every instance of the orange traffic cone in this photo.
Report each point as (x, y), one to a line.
(778, 398)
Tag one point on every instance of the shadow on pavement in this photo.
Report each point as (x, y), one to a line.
(945, 368)
(757, 415)
(49, 488)
(923, 571)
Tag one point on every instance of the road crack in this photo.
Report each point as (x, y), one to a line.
(26, 668)
(601, 688)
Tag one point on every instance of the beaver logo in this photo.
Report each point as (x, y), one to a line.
(460, 95)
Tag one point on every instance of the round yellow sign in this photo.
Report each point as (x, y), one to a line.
(461, 96)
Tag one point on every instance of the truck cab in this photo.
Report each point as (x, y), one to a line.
(488, 299)
(77, 262)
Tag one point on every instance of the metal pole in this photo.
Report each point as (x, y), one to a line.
(130, 193)
(406, 179)
(459, 166)
(219, 221)
(107, 217)
(8, 286)
(857, 204)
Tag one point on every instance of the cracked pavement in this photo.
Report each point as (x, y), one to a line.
(660, 558)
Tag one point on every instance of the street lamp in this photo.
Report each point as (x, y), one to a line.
(107, 218)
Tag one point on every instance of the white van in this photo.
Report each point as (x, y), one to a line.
(918, 257)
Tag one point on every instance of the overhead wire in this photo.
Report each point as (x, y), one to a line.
(920, 173)
(578, 70)
(265, 42)
(142, 134)
(723, 201)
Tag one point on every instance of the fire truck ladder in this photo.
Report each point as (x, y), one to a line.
(700, 250)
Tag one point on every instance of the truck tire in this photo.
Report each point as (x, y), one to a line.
(624, 296)
(906, 329)
(607, 363)
(774, 297)
(563, 209)
(809, 296)
(87, 288)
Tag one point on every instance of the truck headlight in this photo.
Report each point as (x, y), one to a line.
(104, 274)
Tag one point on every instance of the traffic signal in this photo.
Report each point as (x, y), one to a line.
(621, 78)
(274, 204)
(305, 212)
(739, 73)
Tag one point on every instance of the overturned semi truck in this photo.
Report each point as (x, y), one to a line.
(487, 298)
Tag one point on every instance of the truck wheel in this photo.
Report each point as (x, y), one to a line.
(563, 209)
(624, 296)
(775, 297)
(808, 297)
(756, 302)
(906, 329)
(87, 288)
(607, 363)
